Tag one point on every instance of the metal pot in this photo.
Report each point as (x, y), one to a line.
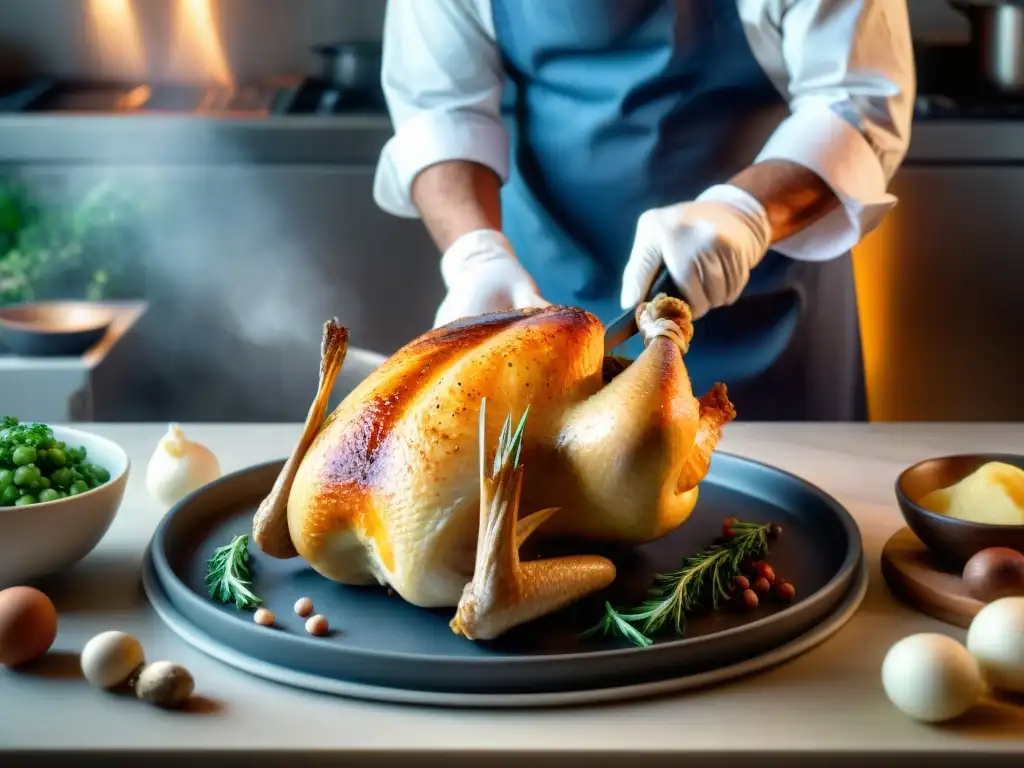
(351, 66)
(997, 35)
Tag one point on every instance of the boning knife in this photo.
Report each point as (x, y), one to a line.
(624, 327)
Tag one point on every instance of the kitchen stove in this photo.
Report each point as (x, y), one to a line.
(296, 96)
(950, 87)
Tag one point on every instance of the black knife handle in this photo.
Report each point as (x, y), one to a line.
(663, 283)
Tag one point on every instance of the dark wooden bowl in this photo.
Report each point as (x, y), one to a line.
(950, 540)
(54, 328)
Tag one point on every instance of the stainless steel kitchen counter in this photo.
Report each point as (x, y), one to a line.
(189, 139)
(350, 140)
(966, 141)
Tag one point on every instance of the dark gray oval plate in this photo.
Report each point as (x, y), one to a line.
(378, 640)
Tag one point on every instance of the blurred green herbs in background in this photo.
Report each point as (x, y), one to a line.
(84, 248)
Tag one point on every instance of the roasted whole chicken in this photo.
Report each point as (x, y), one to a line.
(430, 474)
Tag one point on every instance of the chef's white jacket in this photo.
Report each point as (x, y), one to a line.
(845, 67)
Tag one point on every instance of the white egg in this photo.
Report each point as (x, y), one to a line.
(996, 640)
(110, 658)
(931, 677)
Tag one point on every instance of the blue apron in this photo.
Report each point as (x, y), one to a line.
(618, 106)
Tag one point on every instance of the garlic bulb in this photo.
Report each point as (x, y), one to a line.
(178, 467)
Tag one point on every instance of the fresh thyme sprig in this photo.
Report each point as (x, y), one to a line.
(703, 580)
(228, 578)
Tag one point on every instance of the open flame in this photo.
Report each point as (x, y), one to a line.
(196, 50)
(114, 32)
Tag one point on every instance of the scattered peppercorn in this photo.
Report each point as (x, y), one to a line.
(741, 582)
(263, 617)
(785, 590)
(317, 625)
(303, 606)
(774, 531)
(761, 585)
(766, 572)
(749, 599)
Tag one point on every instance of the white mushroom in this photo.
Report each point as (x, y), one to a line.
(111, 658)
(164, 684)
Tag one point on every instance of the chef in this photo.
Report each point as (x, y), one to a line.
(563, 150)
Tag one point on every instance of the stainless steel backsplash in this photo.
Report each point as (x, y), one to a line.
(260, 37)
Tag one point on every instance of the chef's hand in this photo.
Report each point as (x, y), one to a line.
(482, 275)
(708, 247)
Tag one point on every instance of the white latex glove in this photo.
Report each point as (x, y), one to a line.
(708, 246)
(482, 275)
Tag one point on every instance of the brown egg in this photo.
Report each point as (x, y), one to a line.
(995, 573)
(28, 625)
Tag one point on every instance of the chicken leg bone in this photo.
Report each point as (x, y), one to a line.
(270, 523)
(505, 592)
(668, 317)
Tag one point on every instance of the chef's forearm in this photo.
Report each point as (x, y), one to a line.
(793, 196)
(456, 197)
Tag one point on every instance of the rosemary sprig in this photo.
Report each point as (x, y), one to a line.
(702, 581)
(228, 577)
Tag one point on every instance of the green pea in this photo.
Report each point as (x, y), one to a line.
(98, 472)
(61, 478)
(9, 495)
(6, 478)
(77, 474)
(41, 482)
(24, 454)
(79, 486)
(75, 454)
(25, 500)
(48, 494)
(62, 494)
(26, 475)
(57, 457)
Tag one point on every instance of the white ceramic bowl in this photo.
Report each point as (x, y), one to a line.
(46, 538)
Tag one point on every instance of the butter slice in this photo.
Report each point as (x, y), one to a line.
(993, 494)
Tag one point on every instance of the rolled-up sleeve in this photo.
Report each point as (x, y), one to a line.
(442, 78)
(851, 88)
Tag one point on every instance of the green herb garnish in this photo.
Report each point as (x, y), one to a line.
(702, 581)
(227, 576)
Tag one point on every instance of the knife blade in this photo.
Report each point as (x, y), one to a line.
(624, 327)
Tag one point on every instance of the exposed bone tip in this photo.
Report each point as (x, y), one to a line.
(666, 316)
(334, 336)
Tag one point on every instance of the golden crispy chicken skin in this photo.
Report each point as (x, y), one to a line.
(400, 485)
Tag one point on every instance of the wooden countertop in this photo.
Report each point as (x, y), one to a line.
(829, 701)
